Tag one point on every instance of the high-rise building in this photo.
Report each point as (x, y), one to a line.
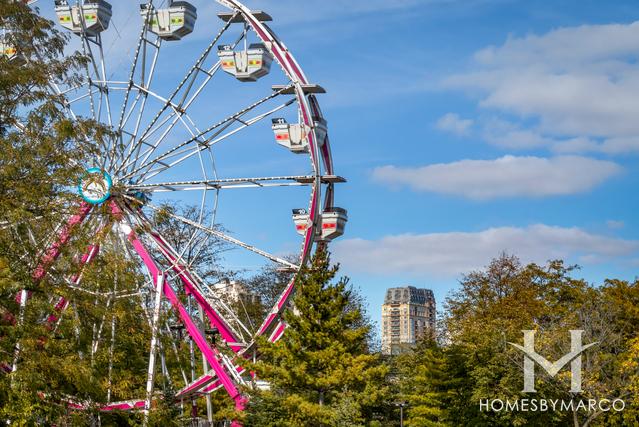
(408, 314)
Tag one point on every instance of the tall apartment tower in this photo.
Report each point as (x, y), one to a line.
(408, 314)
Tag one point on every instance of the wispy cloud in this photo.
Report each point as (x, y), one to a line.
(455, 253)
(615, 224)
(508, 176)
(576, 84)
(451, 122)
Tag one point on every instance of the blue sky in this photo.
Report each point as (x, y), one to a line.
(464, 128)
(467, 128)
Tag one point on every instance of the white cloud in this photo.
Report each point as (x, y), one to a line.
(578, 84)
(508, 135)
(507, 176)
(615, 224)
(455, 253)
(619, 145)
(451, 122)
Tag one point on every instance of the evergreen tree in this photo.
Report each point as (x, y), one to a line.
(423, 382)
(322, 371)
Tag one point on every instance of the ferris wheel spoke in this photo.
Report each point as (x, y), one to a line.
(198, 238)
(70, 113)
(86, 50)
(96, 75)
(84, 96)
(198, 249)
(105, 94)
(216, 137)
(179, 110)
(55, 89)
(221, 184)
(226, 237)
(188, 82)
(212, 132)
(145, 80)
(219, 313)
(140, 50)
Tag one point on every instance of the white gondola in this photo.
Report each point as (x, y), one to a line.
(173, 22)
(246, 65)
(301, 220)
(291, 136)
(333, 223)
(96, 15)
(294, 136)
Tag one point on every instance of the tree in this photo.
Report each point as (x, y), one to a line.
(196, 247)
(41, 153)
(433, 382)
(423, 381)
(37, 158)
(475, 360)
(321, 372)
(269, 283)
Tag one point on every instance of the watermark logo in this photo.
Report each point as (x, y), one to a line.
(573, 357)
(574, 403)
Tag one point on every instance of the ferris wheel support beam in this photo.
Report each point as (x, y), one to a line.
(191, 327)
(191, 286)
(150, 379)
(62, 303)
(214, 318)
(59, 307)
(194, 70)
(56, 248)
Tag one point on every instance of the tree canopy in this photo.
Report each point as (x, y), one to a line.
(444, 382)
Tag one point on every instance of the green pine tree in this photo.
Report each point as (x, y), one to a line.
(423, 384)
(322, 371)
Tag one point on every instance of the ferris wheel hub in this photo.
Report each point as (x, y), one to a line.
(95, 186)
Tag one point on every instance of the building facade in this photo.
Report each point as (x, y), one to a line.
(234, 291)
(408, 313)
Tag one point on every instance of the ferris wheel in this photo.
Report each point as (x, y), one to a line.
(222, 118)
